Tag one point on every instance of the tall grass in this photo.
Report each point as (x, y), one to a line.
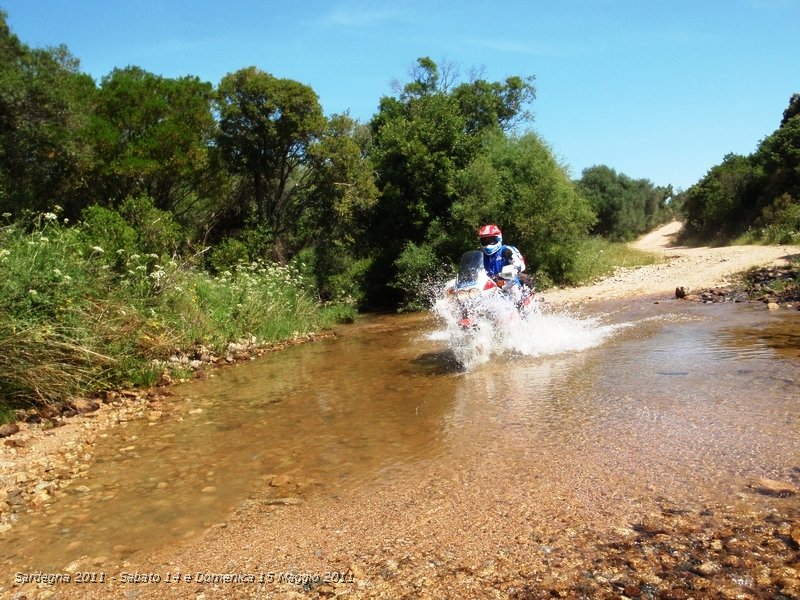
(76, 319)
(596, 257)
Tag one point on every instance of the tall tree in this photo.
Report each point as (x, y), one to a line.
(518, 184)
(723, 203)
(625, 207)
(44, 105)
(422, 139)
(153, 137)
(336, 206)
(266, 127)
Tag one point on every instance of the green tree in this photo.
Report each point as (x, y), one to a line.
(336, 204)
(792, 110)
(625, 207)
(422, 140)
(722, 204)
(267, 125)
(518, 184)
(778, 156)
(761, 190)
(44, 106)
(153, 138)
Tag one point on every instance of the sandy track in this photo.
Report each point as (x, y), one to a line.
(690, 268)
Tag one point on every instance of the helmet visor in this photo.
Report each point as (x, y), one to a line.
(489, 240)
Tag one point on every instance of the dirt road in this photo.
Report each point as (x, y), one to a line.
(690, 268)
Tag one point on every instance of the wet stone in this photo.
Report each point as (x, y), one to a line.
(772, 487)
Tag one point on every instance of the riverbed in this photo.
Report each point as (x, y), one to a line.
(607, 451)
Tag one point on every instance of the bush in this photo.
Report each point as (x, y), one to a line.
(229, 253)
(419, 269)
(76, 319)
(348, 284)
(782, 221)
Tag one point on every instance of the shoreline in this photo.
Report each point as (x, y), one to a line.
(42, 458)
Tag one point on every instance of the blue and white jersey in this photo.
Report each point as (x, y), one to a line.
(495, 263)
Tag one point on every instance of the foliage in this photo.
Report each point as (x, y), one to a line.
(713, 206)
(419, 269)
(44, 103)
(625, 207)
(138, 227)
(74, 322)
(266, 127)
(755, 195)
(781, 222)
(335, 208)
(518, 185)
(227, 254)
(423, 139)
(152, 137)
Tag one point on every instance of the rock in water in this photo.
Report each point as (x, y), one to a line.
(772, 487)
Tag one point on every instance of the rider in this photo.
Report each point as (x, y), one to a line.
(497, 255)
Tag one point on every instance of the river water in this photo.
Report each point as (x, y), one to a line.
(609, 405)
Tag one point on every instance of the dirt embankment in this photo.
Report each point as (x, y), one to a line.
(690, 268)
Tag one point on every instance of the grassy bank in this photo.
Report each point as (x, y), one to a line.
(77, 318)
(596, 258)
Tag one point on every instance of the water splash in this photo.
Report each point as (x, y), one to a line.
(545, 331)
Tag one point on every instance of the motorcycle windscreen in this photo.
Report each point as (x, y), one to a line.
(471, 265)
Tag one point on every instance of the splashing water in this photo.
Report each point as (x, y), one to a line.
(542, 332)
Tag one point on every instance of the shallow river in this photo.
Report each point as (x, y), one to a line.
(676, 399)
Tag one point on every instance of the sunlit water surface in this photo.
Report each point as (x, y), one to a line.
(672, 398)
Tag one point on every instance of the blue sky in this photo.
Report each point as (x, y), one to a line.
(654, 89)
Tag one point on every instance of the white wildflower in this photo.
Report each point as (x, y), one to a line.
(50, 216)
(98, 249)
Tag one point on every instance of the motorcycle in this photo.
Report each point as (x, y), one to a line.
(478, 308)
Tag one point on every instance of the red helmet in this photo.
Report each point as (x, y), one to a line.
(488, 230)
(491, 239)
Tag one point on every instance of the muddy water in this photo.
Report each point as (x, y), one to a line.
(678, 400)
